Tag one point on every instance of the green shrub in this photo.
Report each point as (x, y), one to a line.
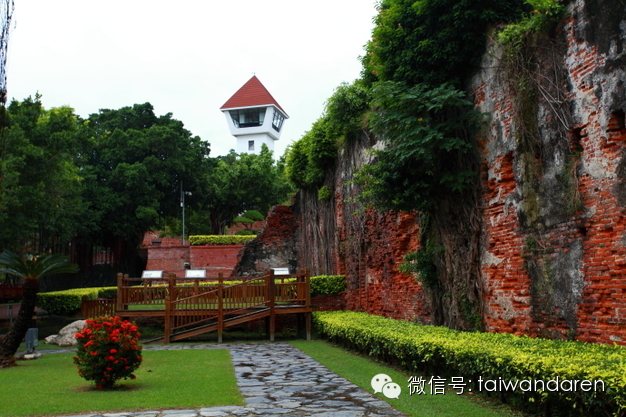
(245, 232)
(219, 239)
(490, 356)
(107, 292)
(65, 302)
(327, 284)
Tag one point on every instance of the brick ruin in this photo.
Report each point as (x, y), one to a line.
(170, 255)
(553, 243)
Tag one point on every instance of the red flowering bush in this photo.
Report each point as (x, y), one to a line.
(108, 350)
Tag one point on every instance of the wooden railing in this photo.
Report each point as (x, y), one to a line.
(97, 308)
(186, 304)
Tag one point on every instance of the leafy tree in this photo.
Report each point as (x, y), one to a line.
(243, 182)
(31, 269)
(249, 218)
(432, 41)
(40, 183)
(136, 167)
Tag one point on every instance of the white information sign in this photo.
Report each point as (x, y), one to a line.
(152, 274)
(195, 273)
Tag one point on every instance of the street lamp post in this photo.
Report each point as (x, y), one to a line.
(182, 204)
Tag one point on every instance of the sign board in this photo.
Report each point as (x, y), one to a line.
(281, 271)
(152, 274)
(195, 273)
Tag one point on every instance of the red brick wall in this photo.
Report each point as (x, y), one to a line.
(580, 289)
(375, 285)
(214, 259)
(274, 246)
(332, 302)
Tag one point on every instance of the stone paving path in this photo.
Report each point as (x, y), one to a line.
(277, 379)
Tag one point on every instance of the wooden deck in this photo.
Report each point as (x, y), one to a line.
(191, 307)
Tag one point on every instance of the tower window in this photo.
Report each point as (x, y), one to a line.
(248, 117)
(277, 123)
(250, 145)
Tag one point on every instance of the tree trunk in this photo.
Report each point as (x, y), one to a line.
(10, 342)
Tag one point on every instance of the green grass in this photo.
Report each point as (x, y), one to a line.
(360, 370)
(166, 380)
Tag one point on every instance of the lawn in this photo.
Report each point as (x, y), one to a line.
(360, 370)
(166, 380)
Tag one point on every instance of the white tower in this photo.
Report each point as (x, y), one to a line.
(254, 117)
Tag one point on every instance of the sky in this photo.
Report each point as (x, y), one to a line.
(187, 57)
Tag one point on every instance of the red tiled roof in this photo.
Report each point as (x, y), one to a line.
(252, 93)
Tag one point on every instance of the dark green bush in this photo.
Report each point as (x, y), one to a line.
(433, 41)
(65, 302)
(107, 292)
(327, 284)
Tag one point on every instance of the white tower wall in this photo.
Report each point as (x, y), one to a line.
(250, 139)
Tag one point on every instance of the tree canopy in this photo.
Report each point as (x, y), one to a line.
(118, 174)
(135, 166)
(241, 182)
(40, 184)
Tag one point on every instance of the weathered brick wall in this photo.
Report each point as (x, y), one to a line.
(166, 258)
(375, 285)
(214, 259)
(332, 302)
(274, 247)
(554, 260)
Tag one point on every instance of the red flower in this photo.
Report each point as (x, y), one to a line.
(79, 335)
(113, 340)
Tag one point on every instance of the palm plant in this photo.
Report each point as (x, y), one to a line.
(30, 269)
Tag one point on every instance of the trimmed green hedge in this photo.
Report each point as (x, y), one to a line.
(220, 239)
(439, 351)
(327, 284)
(68, 301)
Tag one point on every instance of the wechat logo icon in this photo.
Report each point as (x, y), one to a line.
(383, 383)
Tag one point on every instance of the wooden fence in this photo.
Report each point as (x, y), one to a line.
(97, 308)
(191, 306)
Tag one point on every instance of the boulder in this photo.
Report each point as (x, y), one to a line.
(66, 334)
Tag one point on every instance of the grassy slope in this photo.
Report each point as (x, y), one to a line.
(360, 371)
